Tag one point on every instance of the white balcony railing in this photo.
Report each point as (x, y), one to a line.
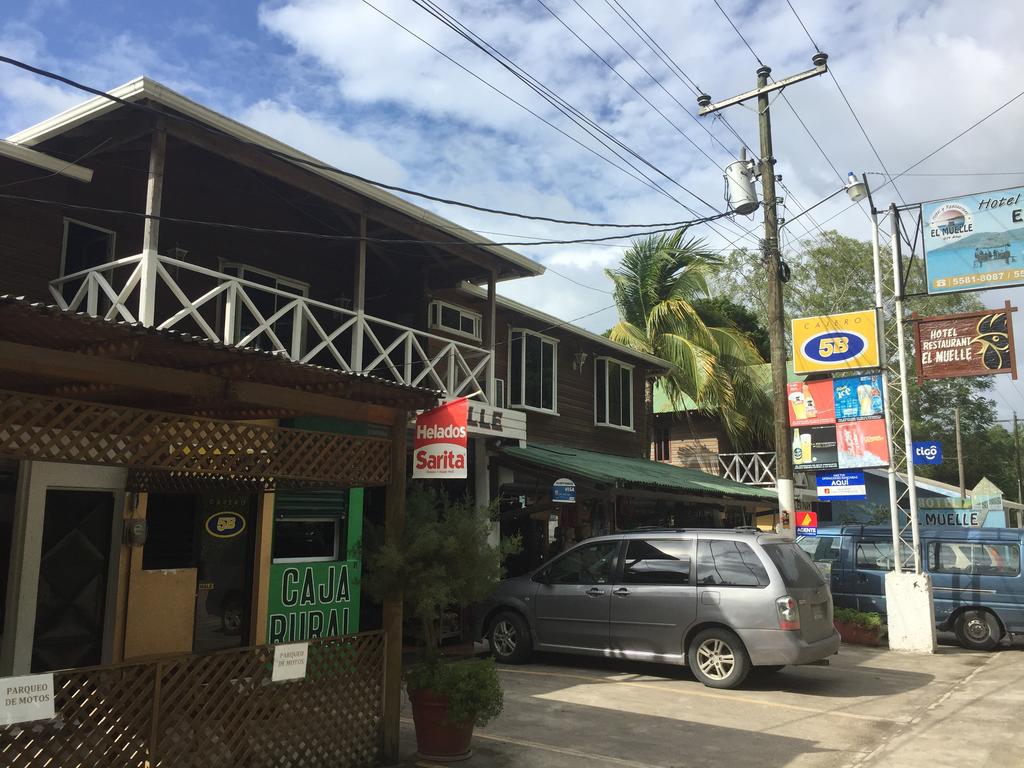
(749, 468)
(166, 293)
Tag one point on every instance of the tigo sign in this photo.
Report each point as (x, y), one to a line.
(927, 452)
(848, 341)
(806, 523)
(439, 448)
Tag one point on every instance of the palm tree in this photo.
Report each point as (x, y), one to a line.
(658, 288)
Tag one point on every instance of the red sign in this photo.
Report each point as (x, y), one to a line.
(862, 444)
(439, 448)
(811, 403)
(806, 519)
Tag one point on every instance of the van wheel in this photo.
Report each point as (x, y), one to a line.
(978, 630)
(510, 638)
(718, 658)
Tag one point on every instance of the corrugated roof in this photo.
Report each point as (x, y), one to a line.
(626, 472)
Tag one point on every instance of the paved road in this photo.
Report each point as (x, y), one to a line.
(870, 708)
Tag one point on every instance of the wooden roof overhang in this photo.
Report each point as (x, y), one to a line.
(46, 351)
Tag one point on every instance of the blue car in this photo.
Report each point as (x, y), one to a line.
(976, 575)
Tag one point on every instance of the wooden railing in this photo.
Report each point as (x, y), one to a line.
(167, 293)
(212, 711)
(749, 468)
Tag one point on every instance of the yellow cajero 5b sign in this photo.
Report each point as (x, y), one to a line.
(844, 342)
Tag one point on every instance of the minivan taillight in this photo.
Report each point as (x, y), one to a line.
(789, 613)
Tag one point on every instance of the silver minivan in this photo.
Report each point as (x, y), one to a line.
(720, 601)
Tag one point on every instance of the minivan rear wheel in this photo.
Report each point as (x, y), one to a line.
(718, 658)
(978, 630)
(510, 639)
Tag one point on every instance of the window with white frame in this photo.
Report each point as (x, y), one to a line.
(85, 246)
(532, 371)
(453, 319)
(267, 302)
(613, 393)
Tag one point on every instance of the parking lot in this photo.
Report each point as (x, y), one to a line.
(870, 707)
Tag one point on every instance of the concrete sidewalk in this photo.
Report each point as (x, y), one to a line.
(870, 708)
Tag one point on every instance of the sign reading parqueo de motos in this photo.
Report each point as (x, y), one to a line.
(844, 342)
(968, 344)
(439, 447)
(26, 698)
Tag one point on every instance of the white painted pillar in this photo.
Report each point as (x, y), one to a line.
(151, 227)
(359, 299)
(490, 329)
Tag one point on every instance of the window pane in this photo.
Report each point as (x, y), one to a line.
(821, 549)
(627, 397)
(548, 378)
(614, 394)
(877, 555)
(296, 538)
(449, 317)
(600, 391)
(795, 566)
(86, 248)
(729, 564)
(590, 564)
(658, 562)
(515, 383)
(975, 558)
(433, 314)
(532, 373)
(468, 324)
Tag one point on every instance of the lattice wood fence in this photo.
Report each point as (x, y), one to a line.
(51, 429)
(213, 711)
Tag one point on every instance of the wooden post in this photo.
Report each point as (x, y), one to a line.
(394, 523)
(359, 299)
(490, 329)
(151, 226)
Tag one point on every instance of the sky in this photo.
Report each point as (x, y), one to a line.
(340, 80)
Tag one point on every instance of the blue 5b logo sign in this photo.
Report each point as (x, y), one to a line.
(847, 341)
(928, 452)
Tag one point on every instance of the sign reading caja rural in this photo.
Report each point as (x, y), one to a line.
(848, 341)
(976, 241)
(439, 447)
(968, 344)
(310, 600)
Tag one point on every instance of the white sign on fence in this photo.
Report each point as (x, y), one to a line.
(26, 698)
(290, 662)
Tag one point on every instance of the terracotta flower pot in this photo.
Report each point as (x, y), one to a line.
(855, 635)
(436, 738)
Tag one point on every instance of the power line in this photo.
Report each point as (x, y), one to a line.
(954, 173)
(737, 30)
(297, 159)
(329, 236)
(849, 106)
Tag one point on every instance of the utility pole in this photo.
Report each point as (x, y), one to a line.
(1020, 471)
(776, 277)
(960, 457)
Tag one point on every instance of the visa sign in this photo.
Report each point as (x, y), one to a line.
(847, 341)
(927, 452)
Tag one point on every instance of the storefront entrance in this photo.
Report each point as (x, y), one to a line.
(74, 563)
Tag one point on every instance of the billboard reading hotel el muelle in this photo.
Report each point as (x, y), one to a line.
(975, 241)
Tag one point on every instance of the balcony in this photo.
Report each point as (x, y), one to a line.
(170, 294)
(756, 469)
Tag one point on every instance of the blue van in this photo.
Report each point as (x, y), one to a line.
(976, 575)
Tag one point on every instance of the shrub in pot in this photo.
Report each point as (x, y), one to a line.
(443, 559)
(858, 627)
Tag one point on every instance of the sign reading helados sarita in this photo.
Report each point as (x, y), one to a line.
(439, 446)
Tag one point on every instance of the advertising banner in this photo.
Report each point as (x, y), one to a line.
(811, 403)
(311, 600)
(858, 397)
(439, 448)
(967, 344)
(846, 486)
(806, 523)
(563, 491)
(862, 444)
(843, 342)
(927, 452)
(975, 241)
(815, 448)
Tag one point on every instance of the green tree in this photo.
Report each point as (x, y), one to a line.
(658, 288)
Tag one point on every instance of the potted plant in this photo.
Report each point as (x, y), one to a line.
(443, 559)
(858, 627)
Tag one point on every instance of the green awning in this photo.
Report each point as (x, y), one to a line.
(625, 472)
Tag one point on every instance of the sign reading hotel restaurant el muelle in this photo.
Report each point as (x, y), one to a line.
(439, 446)
(968, 344)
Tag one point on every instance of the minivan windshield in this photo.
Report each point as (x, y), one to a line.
(795, 566)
